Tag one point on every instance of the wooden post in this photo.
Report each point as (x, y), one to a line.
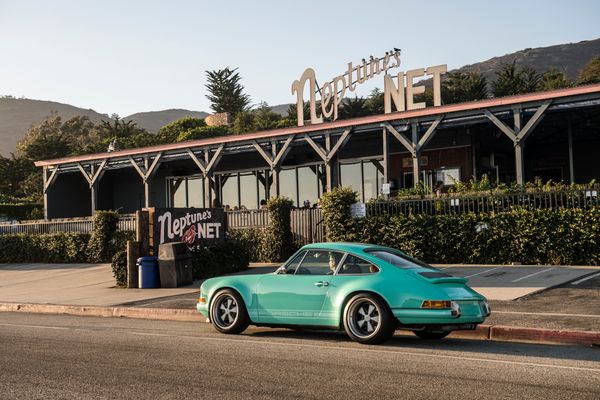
(142, 231)
(519, 169)
(416, 154)
(45, 177)
(133, 253)
(570, 140)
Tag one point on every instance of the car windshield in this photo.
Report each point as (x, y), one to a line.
(398, 259)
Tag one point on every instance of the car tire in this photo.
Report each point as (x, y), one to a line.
(428, 335)
(228, 312)
(367, 319)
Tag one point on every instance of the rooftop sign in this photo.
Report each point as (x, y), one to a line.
(332, 93)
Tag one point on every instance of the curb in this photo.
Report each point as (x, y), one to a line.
(498, 333)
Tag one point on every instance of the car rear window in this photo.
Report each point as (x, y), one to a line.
(399, 260)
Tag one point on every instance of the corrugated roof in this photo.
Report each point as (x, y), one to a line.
(336, 125)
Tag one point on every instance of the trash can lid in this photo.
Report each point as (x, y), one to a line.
(147, 258)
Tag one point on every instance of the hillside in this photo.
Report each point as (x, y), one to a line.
(568, 58)
(152, 121)
(17, 115)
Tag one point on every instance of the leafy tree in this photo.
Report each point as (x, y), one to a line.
(511, 80)
(117, 127)
(353, 107)
(374, 102)
(170, 132)
(14, 171)
(555, 79)
(226, 93)
(244, 122)
(203, 132)
(265, 118)
(590, 72)
(45, 141)
(459, 87)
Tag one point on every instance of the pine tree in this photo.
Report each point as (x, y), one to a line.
(226, 93)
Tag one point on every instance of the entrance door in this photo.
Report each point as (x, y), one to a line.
(296, 294)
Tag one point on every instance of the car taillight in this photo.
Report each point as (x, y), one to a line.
(442, 305)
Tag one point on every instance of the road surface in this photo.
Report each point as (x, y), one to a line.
(67, 357)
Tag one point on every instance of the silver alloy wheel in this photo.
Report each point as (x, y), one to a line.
(226, 311)
(364, 318)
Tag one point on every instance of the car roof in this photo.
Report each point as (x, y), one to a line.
(340, 246)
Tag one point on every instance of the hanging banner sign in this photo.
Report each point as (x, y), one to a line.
(400, 94)
(194, 226)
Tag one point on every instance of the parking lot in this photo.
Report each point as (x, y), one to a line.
(512, 282)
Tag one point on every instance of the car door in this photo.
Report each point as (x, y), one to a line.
(296, 294)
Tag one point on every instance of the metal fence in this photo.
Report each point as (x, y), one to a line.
(306, 223)
(487, 203)
(75, 225)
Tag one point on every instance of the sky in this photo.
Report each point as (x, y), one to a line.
(133, 56)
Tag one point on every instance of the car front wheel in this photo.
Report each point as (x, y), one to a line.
(368, 319)
(228, 312)
(428, 335)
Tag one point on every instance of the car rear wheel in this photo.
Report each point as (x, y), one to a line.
(368, 319)
(428, 335)
(228, 312)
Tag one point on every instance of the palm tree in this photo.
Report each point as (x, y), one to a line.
(459, 87)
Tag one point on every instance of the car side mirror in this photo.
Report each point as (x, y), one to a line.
(280, 270)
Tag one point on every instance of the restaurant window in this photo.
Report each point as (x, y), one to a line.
(363, 177)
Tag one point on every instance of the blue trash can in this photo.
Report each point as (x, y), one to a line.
(148, 273)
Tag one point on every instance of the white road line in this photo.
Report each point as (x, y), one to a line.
(585, 279)
(482, 272)
(339, 348)
(534, 274)
(378, 351)
(546, 314)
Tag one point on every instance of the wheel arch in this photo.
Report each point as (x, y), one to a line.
(351, 295)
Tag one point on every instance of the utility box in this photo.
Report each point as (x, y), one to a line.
(175, 265)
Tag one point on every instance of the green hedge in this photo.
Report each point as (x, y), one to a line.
(44, 248)
(528, 236)
(225, 258)
(22, 211)
(275, 243)
(101, 247)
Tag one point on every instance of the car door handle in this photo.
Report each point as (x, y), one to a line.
(321, 283)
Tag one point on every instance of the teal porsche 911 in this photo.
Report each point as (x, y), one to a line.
(368, 291)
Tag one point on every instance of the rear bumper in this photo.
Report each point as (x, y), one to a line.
(472, 312)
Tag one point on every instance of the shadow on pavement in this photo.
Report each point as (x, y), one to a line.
(409, 341)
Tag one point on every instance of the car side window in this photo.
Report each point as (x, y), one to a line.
(319, 262)
(290, 267)
(355, 265)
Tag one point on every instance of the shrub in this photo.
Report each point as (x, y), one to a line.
(278, 241)
(44, 248)
(101, 246)
(22, 211)
(520, 235)
(119, 268)
(252, 239)
(222, 259)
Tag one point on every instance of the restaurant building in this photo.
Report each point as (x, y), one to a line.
(551, 135)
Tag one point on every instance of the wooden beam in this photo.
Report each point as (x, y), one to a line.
(99, 172)
(430, 132)
(533, 121)
(153, 167)
(501, 125)
(341, 142)
(85, 173)
(318, 149)
(137, 167)
(211, 164)
(196, 160)
(281, 154)
(405, 142)
(50, 180)
(268, 158)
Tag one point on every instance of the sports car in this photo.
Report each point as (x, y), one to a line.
(369, 291)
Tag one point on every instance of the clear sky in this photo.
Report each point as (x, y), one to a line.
(131, 56)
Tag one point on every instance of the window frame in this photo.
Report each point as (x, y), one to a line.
(342, 260)
(360, 258)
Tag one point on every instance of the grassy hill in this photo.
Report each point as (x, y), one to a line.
(17, 115)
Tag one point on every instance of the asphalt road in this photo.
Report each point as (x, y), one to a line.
(66, 357)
